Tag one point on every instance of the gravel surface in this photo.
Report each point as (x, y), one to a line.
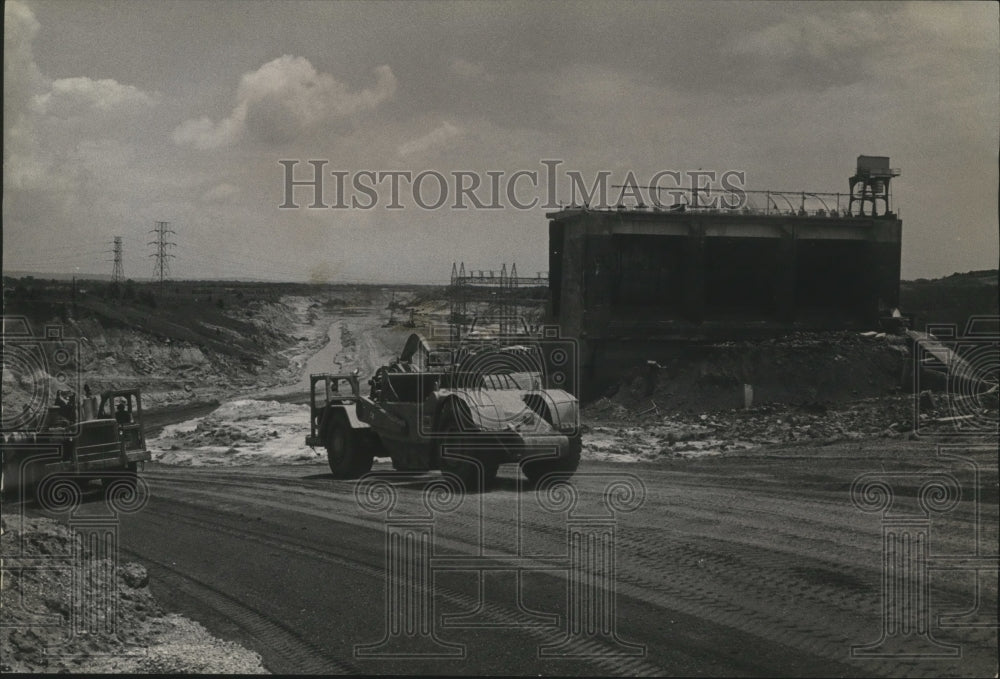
(38, 612)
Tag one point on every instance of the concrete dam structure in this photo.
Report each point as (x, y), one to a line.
(628, 283)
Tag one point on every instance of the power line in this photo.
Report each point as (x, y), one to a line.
(161, 267)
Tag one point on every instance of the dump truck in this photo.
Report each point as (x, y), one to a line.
(464, 410)
(97, 439)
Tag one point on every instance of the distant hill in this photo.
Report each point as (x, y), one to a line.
(951, 299)
(50, 276)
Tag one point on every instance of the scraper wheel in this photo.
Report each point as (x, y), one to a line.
(347, 460)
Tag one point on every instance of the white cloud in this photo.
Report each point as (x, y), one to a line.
(220, 193)
(440, 134)
(281, 100)
(203, 134)
(68, 97)
(66, 163)
(20, 74)
(812, 35)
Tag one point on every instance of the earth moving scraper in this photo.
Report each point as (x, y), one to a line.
(463, 409)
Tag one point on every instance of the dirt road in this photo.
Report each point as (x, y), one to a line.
(756, 563)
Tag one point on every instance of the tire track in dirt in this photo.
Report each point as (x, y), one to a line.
(297, 655)
(747, 570)
(687, 592)
(602, 660)
(825, 550)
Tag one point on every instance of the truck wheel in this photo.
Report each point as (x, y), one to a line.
(490, 473)
(57, 491)
(346, 460)
(128, 476)
(474, 474)
(536, 469)
(468, 471)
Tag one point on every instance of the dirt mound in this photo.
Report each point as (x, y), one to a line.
(613, 431)
(820, 387)
(37, 607)
(241, 432)
(801, 368)
(260, 343)
(182, 351)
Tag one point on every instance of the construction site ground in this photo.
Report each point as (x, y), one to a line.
(38, 604)
(743, 563)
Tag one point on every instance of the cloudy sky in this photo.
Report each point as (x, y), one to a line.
(117, 115)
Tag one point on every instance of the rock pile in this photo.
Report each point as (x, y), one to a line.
(37, 607)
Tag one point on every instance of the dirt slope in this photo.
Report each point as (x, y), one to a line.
(37, 609)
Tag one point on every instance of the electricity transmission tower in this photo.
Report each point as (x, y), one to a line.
(161, 267)
(118, 275)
